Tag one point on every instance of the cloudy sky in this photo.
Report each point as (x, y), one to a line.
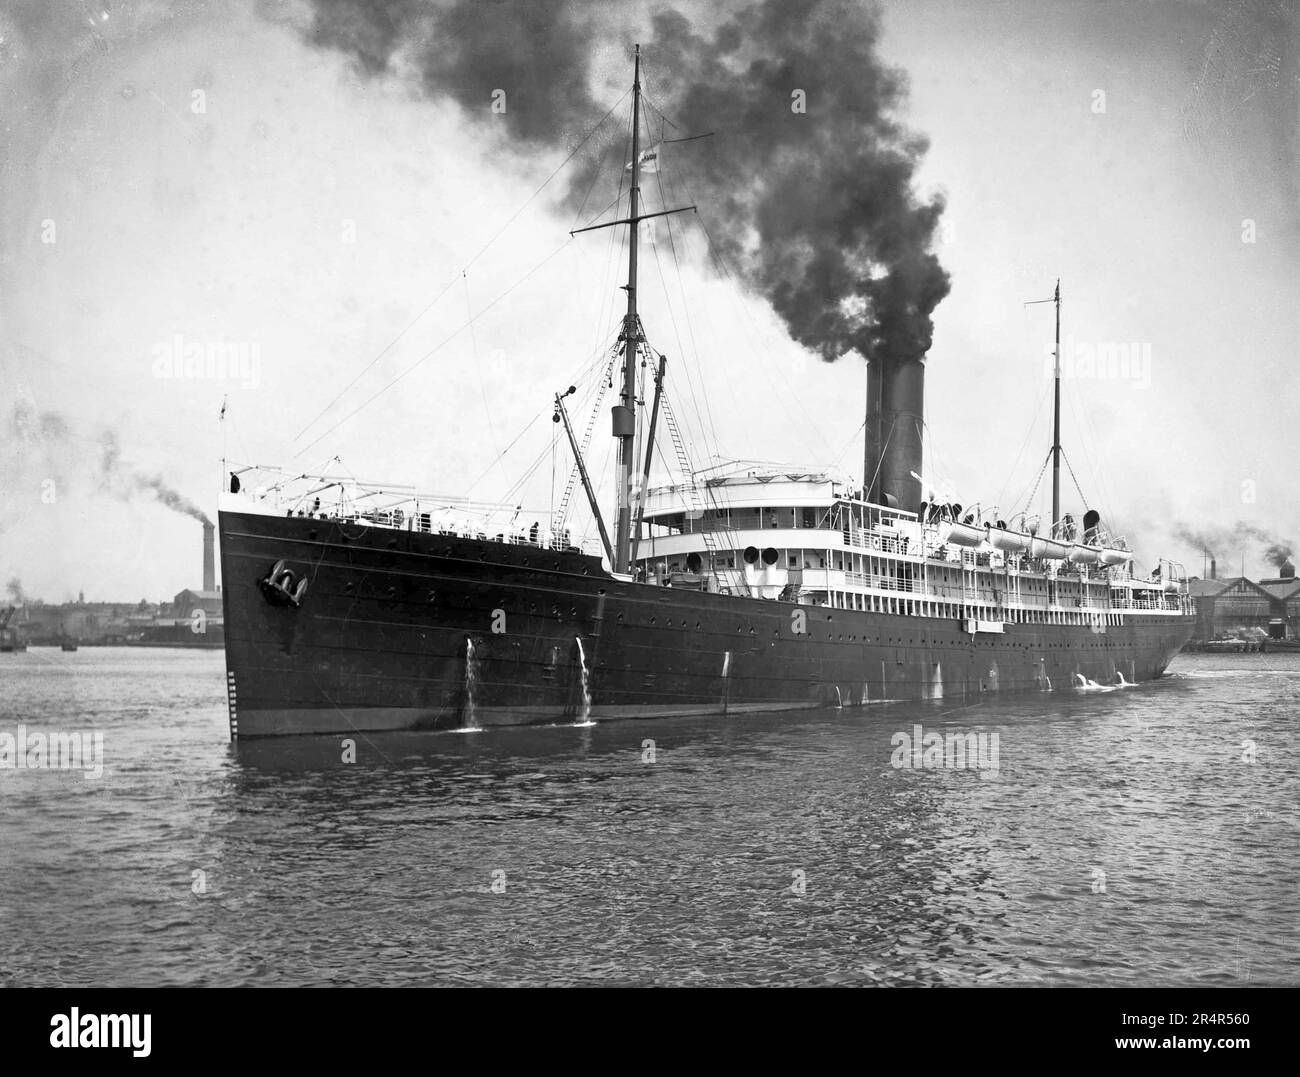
(214, 171)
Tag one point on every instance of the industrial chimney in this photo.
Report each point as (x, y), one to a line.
(1214, 571)
(895, 414)
(209, 557)
(1287, 571)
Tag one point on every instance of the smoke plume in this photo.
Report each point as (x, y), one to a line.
(1279, 554)
(1217, 541)
(15, 589)
(807, 182)
(49, 436)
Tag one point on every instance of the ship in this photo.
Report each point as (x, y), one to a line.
(743, 587)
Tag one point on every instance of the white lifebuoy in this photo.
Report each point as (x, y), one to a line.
(875, 542)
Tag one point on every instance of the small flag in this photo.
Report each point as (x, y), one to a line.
(222, 416)
(649, 159)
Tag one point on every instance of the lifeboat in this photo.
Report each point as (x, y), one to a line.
(960, 534)
(1010, 541)
(1048, 548)
(1083, 555)
(1113, 557)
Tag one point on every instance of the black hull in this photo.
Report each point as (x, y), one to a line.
(381, 637)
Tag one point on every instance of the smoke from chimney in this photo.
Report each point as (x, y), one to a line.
(49, 435)
(1279, 554)
(1233, 539)
(15, 589)
(807, 182)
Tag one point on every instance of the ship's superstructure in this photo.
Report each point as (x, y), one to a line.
(810, 539)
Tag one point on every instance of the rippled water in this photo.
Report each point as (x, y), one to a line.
(1127, 839)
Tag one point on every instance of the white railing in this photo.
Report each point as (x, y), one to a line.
(341, 499)
(874, 581)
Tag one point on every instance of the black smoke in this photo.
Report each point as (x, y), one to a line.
(815, 210)
(48, 442)
(1223, 541)
(1279, 554)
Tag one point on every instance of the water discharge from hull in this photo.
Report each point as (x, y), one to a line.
(470, 721)
(584, 713)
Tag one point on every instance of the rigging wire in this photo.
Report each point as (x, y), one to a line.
(1093, 454)
(482, 250)
(849, 444)
(478, 370)
(736, 294)
(516, 491)
(710, 430)
(503, 452)
(446, 340)
(581, 379)
(1037, 482)
(1042, 398)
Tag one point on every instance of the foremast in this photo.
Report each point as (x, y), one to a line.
(632, 337)
(625, 411)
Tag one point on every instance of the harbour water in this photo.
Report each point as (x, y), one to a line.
(1137, 837)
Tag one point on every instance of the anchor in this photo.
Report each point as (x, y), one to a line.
(282, 588)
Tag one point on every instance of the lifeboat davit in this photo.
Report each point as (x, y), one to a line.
(1010, 541)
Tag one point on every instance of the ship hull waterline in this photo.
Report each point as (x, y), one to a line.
(407, 630)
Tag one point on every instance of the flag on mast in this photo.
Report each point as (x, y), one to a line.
(649, 159)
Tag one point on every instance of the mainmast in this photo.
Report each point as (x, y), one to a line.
(625, 411)
(1056, 420)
